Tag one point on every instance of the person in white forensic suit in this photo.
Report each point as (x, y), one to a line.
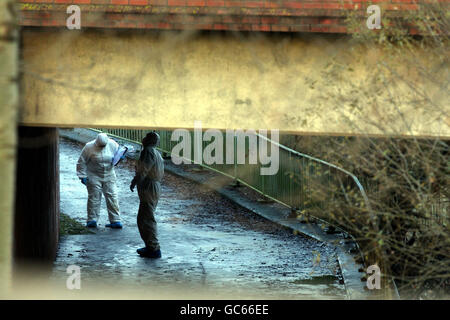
(96, 170)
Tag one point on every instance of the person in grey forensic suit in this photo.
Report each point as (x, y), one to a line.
(149, 173)
(95, 170)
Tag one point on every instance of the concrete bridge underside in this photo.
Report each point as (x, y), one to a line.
(310, 84)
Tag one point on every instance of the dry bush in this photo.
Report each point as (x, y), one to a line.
(406, 178)
(407, 183)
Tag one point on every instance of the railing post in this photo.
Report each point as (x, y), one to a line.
(236, 182)
(291, 175)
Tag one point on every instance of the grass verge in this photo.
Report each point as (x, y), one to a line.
(69, 226)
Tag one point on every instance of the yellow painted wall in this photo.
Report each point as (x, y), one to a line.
(170, 79)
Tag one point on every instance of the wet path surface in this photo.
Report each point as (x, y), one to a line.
(210, 246)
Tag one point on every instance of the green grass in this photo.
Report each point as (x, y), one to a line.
(69, 226)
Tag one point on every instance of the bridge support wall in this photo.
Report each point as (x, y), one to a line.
(36, 221)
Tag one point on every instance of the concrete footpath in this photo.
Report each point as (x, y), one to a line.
(344, 246)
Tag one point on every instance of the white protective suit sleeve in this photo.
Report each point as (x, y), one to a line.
(82, 163)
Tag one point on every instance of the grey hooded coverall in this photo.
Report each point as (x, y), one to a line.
(95, 164)
(149, 173)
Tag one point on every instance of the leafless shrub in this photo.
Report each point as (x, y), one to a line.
(406, 178)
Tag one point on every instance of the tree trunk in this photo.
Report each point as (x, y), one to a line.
(8, 110)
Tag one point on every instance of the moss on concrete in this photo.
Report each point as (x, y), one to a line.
(69, 226)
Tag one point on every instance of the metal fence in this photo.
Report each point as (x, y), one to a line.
(302, 183)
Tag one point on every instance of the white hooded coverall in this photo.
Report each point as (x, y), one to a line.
(95, 164)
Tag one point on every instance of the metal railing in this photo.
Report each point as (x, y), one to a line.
(302, 183)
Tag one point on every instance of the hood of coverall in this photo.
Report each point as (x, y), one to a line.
(101, 140)
(151, 139)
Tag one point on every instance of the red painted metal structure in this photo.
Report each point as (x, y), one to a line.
(323, 16)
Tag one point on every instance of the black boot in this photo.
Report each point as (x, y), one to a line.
(145, 252)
